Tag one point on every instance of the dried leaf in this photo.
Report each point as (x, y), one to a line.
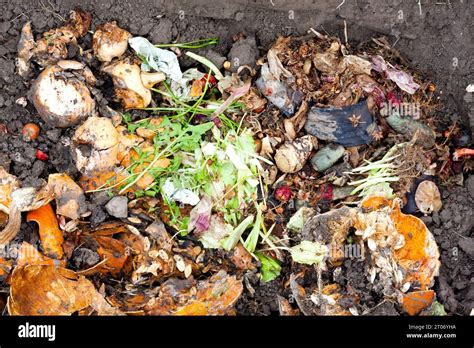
(51, 290)
(215, 296)
(114, 252)
(242, 259)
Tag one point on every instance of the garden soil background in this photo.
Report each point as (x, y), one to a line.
(433, 35)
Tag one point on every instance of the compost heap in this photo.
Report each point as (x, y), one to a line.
(300, 170)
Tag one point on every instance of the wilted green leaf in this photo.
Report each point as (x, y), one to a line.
(270, 269)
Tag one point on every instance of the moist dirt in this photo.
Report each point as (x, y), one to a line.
(432, 35)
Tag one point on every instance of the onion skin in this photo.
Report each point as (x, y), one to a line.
(128, 85)
(13, 226)
(61, 101)
(23, 199)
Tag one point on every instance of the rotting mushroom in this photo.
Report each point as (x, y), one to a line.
(95, 146)
(60, 95)
(131, 84)
(109, 41)
(53, 45)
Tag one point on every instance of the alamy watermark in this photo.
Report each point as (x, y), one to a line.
(403, 109)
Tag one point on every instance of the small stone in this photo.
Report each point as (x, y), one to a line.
(30, 154)
(146, 28)
(99, 198)
(461, 285)
(117, 207)
(53, 134)
(427, 219)
(445, 214)
(4, 26)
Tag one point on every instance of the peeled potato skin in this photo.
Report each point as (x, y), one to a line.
(61, 102)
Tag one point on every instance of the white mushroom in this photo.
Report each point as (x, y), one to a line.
(131, 84)
(62, 99)
(151, 79)
(110, 41)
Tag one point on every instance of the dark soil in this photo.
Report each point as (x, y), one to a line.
(434, 36)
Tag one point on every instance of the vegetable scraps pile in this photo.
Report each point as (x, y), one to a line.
(211, 177)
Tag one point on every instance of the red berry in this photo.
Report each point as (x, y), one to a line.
(327, 193)
(283, 193)
(212, 79)
(41, 155)
(393, 98)
(30, 132)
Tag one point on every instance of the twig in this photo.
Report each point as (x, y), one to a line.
(419, 6)
(22, 14)
(317, 33)
(345, 32)
(57, 15)
(339, 6)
